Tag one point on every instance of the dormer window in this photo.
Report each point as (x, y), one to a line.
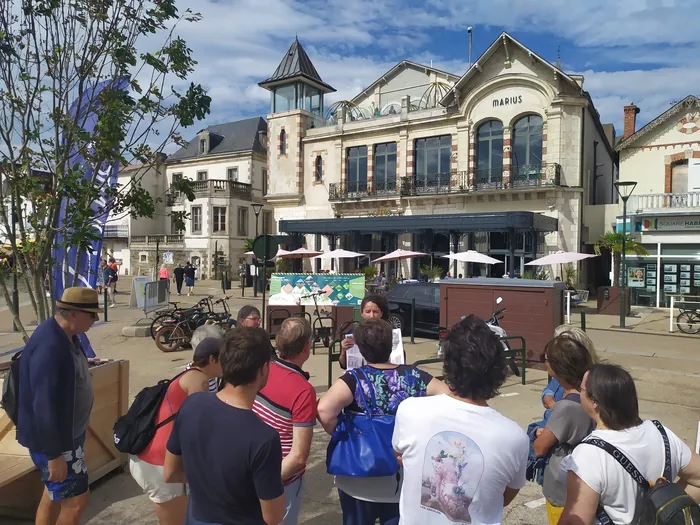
(202, 146)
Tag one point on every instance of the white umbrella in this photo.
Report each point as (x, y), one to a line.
(280, 253)
(398, 255)
(560, 257)
(339, 254)
(471, 256)
(299, 253)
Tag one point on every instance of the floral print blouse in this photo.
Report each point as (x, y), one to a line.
(390, 387)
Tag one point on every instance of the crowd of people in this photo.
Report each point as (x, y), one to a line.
(237, 449)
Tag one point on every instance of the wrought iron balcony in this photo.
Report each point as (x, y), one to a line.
(227, 189)
(116, 231)
(487, 179)
(176, 239)
(664, 202)
(535, 175)
(340, 191)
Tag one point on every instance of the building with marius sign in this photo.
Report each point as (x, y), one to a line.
(663, 157)
(503, 159)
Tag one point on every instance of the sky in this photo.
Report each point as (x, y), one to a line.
(645, 52)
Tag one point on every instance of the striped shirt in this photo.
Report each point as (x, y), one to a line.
(287, 401)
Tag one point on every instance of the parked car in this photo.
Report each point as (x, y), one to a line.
(427, 315)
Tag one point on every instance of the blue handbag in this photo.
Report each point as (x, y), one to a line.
(361, 443)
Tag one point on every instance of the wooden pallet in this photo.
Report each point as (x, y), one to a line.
(20, 482)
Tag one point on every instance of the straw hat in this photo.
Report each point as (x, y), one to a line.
(80, 299)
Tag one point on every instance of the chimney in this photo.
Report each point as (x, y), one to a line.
(630, 120)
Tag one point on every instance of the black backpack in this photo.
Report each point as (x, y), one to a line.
(135, 430)
(10, 390)
(663, 502)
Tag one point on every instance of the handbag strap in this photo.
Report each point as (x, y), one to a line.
(667, 451)
(369, 407)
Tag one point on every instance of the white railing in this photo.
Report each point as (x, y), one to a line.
(664, 201)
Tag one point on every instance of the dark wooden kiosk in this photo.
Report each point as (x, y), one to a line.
(533, 308)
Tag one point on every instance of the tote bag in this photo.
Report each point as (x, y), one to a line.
(361, 443)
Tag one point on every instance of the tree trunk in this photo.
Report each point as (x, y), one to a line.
(616, 269)
(15, 315)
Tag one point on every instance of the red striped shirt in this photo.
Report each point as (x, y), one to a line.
(287, 401)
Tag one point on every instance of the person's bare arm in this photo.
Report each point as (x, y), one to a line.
(173, 469)
(581, 502)
(437, 387)
(194, 381)
(273, 510)
(544, 442)
(297, 457)
(332, 403)
(690, 477)
(509, 496)
(548, 402)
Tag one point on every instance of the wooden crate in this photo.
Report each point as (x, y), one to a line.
(20, 482)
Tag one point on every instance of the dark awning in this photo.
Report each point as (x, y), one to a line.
(457, 223)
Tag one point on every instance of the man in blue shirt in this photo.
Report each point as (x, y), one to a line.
(55, 401)
(231, 459)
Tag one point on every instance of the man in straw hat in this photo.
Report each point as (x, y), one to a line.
(55, 400)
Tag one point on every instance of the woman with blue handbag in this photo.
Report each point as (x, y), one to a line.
(358, 411)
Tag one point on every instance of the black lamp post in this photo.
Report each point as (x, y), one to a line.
(257, 208)
(624, 190)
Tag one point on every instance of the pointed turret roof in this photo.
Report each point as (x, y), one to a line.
(296, 65)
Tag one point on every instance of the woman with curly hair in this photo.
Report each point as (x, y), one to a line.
(463, 461)
(362, 499)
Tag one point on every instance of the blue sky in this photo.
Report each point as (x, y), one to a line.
(641, 51)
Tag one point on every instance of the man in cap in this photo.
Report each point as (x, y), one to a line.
(55, 400)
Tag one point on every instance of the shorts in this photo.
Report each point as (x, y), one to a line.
(189, 281)
(76, 482)
(150, 478)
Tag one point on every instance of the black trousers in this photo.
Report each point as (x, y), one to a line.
(178, 283)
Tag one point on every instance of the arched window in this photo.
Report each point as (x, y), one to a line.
(527, 149)
(283, 142)
(489, 154)
(318, 169)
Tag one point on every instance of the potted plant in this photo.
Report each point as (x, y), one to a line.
(370, 272)
(433, 272)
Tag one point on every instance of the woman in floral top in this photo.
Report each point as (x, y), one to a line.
(363, 500)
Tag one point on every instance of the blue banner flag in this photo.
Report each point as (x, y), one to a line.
(68, 261)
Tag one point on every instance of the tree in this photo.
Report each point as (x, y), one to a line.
(118, 58)
(612, 242)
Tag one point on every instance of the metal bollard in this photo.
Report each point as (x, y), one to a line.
(105, 301)
(583, 320)
(413, 320)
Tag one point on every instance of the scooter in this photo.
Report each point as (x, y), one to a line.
(495, 327)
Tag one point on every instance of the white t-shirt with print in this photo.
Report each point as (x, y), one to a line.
(458, 460)
(644, 446)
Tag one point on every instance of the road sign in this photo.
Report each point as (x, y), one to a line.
(265, 247)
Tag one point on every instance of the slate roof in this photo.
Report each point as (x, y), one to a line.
(296, 64)
(231, 137)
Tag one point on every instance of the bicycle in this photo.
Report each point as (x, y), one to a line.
(169, 314)
(688, 321)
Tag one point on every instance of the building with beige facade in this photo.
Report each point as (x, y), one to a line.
(504, 159)
(663, 158)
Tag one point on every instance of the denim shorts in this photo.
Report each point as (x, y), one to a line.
(76, 482)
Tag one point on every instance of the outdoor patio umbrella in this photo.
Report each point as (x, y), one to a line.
(560, 257)
(299, 253)
(280, 253)
(471, 256)
(399, 255)
(339, 254)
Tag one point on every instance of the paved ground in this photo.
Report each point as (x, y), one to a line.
(666, 368)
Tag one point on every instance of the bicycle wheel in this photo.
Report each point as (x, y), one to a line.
(688, 322)
(169, 338)
(158, 322)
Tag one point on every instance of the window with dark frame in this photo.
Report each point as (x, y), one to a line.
(384, 170)
(196, 219)
(283, 142)
(202, 175)
(264, 182)
(267, 223)
(242, 221)
(489, 153)
(527, 148)
(232, 174)
(219, 219)
(318, 169)
(357, 169)
(202, 146)
(433, 161)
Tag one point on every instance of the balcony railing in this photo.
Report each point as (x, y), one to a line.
(163, 239)
(358, 189)
(227, 189)
(525, 176)
(116, 231)
(664, 202)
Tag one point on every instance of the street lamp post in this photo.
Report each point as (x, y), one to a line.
(256, 209)
(624, 190)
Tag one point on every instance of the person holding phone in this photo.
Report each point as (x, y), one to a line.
(371, 307)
